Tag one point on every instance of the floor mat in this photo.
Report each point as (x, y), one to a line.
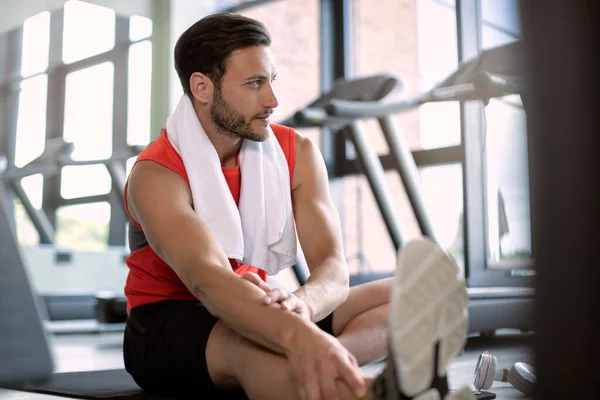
(115, 384)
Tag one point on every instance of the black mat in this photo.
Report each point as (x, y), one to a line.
(114, 384)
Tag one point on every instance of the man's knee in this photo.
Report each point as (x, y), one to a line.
(222, 352)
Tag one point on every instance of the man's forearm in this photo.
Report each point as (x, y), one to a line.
(246, 313)
(326, 288)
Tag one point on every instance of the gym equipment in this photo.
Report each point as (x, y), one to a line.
(24, 350)
(110, 308)
(367, 89)
(494, 73)
(57, 154)
(27, 362)
(61, 304)
(521, 375)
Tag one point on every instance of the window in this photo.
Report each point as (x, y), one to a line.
(139, 28)
(501, 14)
(27, 235)
(31, 130)
(500, 22)
(84, 181)
(36, 36)
(88, 30)
(417, 42)
(443, 196)
(439, 123)
(31, 120)
(507, 181)
(506, 162)
(26, 232)
(83, 226)
(89, 111)
(294, 29)
(92, 63)
(139, 93)
(422, 53)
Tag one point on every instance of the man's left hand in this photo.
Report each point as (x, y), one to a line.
(287, 301)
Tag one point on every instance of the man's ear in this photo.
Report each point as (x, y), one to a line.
(201, 87)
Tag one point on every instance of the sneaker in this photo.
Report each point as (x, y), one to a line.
(427, 326)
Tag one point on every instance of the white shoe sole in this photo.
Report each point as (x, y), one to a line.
(428, 309)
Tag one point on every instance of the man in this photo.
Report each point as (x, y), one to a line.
(203, 323)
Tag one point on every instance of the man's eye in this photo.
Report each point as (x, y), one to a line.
(254, 83)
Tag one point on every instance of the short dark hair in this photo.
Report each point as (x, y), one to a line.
(205, 46)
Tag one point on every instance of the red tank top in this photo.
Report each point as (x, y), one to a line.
(150, 279)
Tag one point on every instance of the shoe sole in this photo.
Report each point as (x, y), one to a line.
(428, 315)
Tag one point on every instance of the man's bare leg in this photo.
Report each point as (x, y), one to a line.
(234, 361)
(361, 323)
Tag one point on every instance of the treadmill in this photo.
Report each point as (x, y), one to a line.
(56, 155)
(372, 89)
(494, 73)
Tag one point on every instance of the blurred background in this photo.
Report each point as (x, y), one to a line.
(86, 85)
(99, 74)
(436, 144)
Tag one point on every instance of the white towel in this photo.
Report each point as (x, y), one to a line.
(261, 232)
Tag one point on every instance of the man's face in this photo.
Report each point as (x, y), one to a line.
(244, 101)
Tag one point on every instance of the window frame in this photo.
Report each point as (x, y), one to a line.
(11, 43)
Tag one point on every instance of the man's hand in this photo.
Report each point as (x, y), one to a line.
(287, 301)
(317, 360)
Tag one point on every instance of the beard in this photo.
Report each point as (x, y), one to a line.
(230, 122)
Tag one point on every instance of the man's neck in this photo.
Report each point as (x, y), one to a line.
(227, 146)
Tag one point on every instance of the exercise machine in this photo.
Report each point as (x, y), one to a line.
(67, 280)
(27, 361)
(369, 89)
(494, 73)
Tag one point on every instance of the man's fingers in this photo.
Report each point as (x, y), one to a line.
(276, 296)
(291, 304)
(311, 385)
(353, 378)
(252, 277)
(255, 279)
(328, 386)
(301, 391)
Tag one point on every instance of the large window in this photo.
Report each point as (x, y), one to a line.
(507, 183)
(416, 42)
(294, 29)
(88, 30)
(82, 81)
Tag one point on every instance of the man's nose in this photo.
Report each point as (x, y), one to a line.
(270, 100)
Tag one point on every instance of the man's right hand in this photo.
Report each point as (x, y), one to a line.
(317, 360)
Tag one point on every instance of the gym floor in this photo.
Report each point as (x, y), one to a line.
(98, 351)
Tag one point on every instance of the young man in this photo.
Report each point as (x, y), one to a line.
(203, 321)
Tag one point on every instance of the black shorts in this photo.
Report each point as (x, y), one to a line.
(164, 349)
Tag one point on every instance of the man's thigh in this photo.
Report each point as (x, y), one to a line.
(361, 299)
(165, 348)
(326, 324)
